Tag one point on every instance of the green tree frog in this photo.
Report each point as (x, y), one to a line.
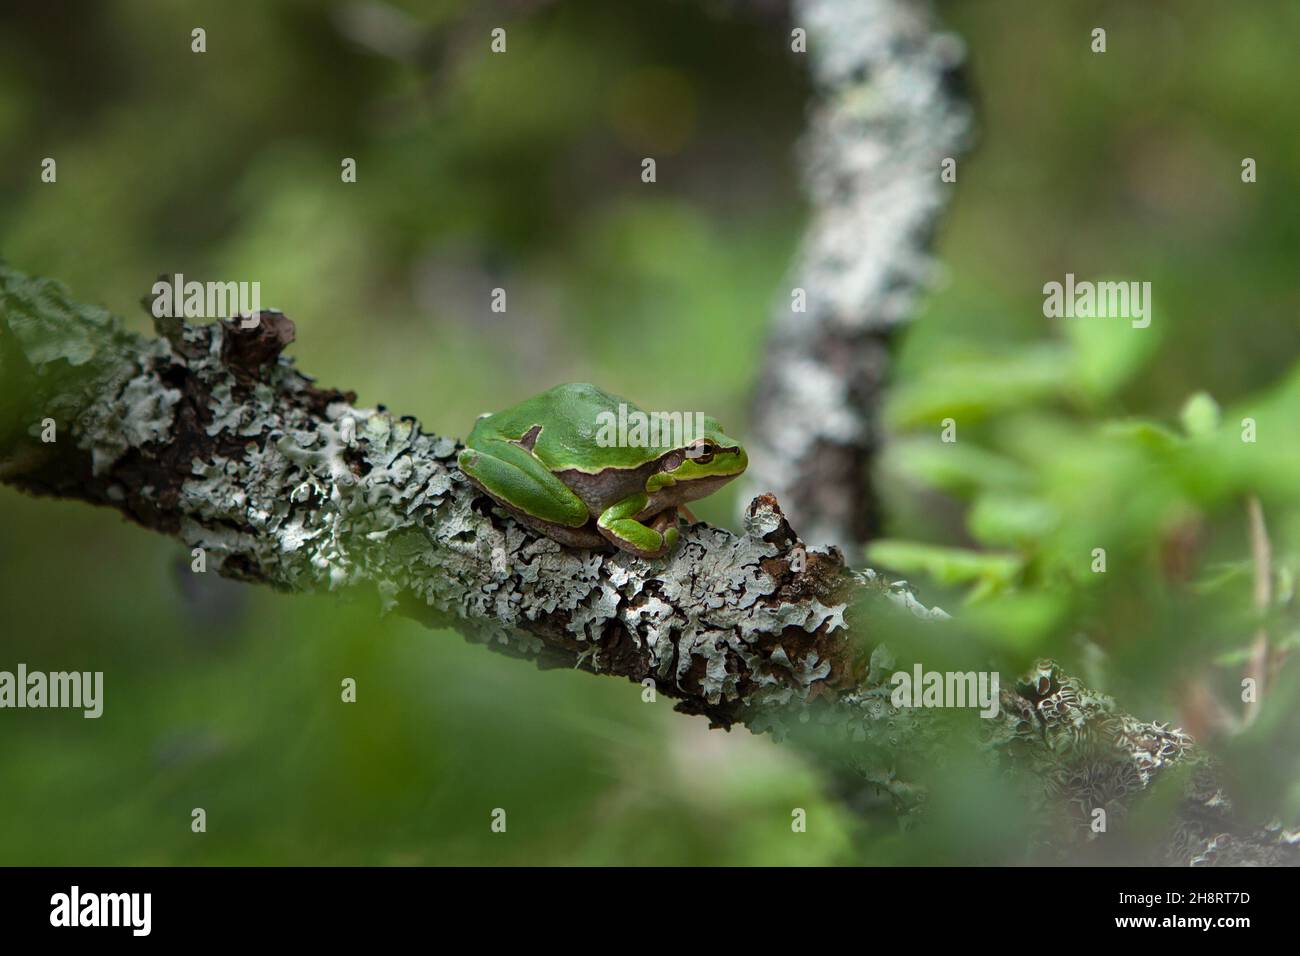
(550, 461)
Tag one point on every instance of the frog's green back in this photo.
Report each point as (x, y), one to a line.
(570, 416)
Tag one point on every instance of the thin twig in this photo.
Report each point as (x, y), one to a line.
(1261, 551)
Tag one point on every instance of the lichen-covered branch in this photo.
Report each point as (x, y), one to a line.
(886, 114)
(209, 435)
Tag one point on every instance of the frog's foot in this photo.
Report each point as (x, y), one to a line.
(515, 478)
(625, 532)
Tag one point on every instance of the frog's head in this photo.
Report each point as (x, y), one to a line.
(699, 467)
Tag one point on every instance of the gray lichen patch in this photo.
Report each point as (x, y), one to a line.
(884, 117)
(692, 621)
(1081, 759)
(142, 413)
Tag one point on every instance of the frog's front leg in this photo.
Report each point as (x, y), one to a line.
(619, 525)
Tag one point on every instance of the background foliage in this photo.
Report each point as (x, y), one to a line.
(521, 171)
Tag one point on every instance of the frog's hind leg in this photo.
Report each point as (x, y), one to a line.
(516, 479)
(585, 537)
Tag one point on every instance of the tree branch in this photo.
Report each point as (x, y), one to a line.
(209, 435)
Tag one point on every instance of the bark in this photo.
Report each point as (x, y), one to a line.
(888, 110)
(210, 436)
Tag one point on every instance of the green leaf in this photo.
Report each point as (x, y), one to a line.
(988, 571)
(1020, 622)
(956, 467)
(1221, 575)
(1200, 415)
(975, 386)
(1005, 519)
(1107, 353)
(1149, 434)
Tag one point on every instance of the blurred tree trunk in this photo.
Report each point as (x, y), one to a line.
(888, 111)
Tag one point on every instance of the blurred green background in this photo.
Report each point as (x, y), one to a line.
(522, 171)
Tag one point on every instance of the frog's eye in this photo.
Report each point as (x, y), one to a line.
(701, 452)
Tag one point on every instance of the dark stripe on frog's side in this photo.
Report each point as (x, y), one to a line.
(598, 490)
(609, 486)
